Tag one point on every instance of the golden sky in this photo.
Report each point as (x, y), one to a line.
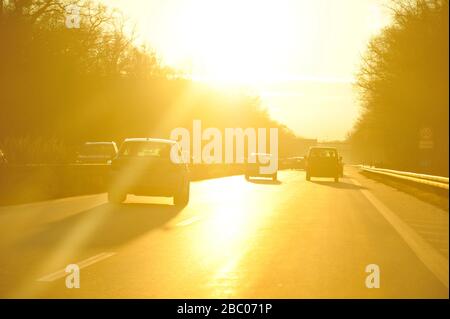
(300, 56)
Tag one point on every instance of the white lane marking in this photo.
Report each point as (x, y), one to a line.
(82, 264)
(188, 221)
(432, 259)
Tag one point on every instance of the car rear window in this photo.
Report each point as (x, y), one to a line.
(145, 149)
(257, 157)
(327, 153)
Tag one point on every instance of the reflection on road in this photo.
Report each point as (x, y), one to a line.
(236, 238)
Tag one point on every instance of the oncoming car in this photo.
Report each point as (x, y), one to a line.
(323, 162)
(254, 163)
(341, 167)
(97, 153)
(143, 167)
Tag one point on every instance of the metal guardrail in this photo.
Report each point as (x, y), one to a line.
(36, 182)
(430, 180)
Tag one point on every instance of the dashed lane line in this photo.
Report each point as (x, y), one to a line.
(82, 264)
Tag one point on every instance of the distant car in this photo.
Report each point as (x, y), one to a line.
(3, 160)
(253, 164)
(97, 153)
(143, 167)
(285, 163)
(341, 167)
(298, 162)
(323, 162)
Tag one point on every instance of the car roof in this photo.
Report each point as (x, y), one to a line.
(149, 139)
(99, 143)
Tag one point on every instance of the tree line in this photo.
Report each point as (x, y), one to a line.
(60, 86)
(403, 84)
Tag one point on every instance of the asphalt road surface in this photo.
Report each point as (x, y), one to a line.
(235, 239)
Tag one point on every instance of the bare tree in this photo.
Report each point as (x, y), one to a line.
(403, 86)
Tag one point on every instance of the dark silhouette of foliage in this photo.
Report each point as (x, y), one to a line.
(403, 84)
(93, 83)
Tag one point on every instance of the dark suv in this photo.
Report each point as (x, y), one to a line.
(323, 162)
(144, 167)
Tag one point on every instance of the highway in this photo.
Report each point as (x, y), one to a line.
(235, 239)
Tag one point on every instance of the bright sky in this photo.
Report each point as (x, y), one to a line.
(300, 56)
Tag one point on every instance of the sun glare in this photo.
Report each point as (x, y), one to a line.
(266, 46)
(236, 41)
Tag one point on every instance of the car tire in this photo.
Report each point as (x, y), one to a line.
(336, 179)
(116, 198)
(181, 199)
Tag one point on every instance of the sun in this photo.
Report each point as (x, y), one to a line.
(236, 41)
(230, 41)
(288, 52)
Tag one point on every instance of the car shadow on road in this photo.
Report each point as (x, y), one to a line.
(106, 225)
(264, 181)
(340, 185)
